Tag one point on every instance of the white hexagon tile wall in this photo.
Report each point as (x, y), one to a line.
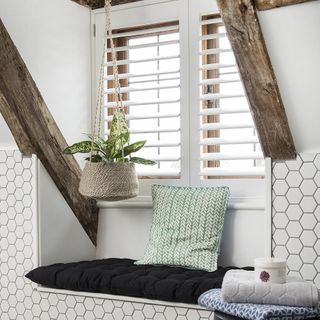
(296, 215)
(18, 254)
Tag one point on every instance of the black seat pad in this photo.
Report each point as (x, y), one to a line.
(123, 277)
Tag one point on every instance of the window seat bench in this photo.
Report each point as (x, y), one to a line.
(122, 277)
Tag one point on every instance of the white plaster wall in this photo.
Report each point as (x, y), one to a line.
(53, 38)
(6, 138)
(292, 35)
(244, 235)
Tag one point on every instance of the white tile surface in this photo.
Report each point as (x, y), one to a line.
(296, 226)
(308, 187)
(294, 179)
(18, 299)
(294, 196)
(308, 170)
(280, 187)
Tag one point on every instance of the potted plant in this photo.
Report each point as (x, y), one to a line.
(109, 173)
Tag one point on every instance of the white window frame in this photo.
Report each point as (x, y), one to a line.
(188, 13)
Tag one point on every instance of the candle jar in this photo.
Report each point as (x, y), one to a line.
(270, 270)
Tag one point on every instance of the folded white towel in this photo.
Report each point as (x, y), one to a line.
(240, 286)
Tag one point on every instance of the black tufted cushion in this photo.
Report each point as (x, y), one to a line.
(122, 277)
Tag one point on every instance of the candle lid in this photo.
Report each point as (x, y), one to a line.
(270, 262)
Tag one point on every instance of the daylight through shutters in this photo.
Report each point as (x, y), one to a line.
(229, 142)
(149, 65)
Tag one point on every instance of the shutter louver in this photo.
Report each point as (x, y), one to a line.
(229, 144)
(149, 65)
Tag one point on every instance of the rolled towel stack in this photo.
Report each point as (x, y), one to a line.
(239, 286)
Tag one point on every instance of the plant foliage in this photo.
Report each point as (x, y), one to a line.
(115, 149)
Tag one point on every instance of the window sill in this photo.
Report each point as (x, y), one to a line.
(145, 202)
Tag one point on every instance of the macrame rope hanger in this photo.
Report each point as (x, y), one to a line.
(99, 113)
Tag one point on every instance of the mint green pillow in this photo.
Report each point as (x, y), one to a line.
(186, 227)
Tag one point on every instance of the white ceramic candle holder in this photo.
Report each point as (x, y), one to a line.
(270, 270)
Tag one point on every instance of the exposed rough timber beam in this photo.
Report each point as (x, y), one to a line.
(259, 80)
(96, 4)
(270, 4)
(35, 131)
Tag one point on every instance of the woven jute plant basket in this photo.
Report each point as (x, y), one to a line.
(109, 181)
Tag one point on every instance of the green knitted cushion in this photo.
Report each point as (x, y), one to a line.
(186, 227)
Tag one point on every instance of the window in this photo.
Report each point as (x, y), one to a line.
(183, 94)
(149, 67)
(229, 142)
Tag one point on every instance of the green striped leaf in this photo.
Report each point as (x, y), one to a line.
(131, 148)
(81, 147)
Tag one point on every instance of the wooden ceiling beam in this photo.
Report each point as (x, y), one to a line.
(97, 4)
(35, 131)
(258, 77)
(271, 4)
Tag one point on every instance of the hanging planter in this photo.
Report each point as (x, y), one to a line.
(109, 173)
(109, 181)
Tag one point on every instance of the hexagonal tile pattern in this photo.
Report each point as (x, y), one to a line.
(308, 170)
(280, 170)
(294, 179)
(281, 252)
(296, 215)
(308, 204)
(308, 221)
(308, 187)
(308, 255)
(18, 299)
(280, 187)
(281, 220)
(294, 212)
(294, 229)
(294, 246)
(280, 236)
(317, 195)
(294, 262)
(293, 196)
(308, 238)
(281, 203)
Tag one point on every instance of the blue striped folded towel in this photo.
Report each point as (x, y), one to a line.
(212, 300)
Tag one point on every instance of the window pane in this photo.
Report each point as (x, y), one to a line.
(229, 139)
(153, 92)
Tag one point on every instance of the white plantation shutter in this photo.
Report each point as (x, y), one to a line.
(229, 143)
(149, 68)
